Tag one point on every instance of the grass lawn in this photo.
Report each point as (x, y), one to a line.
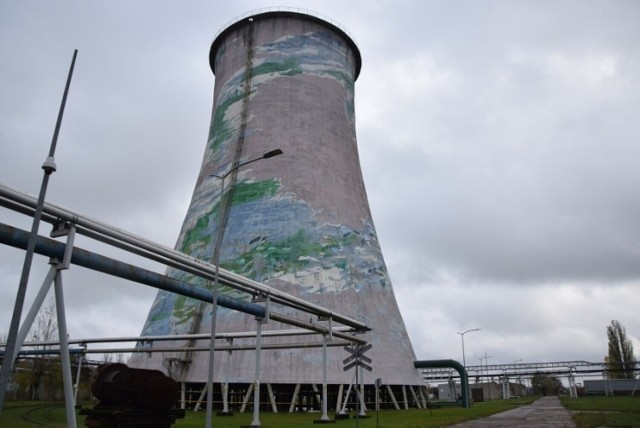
(604, 411)
(53, 415)
(413, 418)
(588, 412)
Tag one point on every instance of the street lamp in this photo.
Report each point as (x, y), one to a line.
(216, 262)
(464, 363)
(486, 366)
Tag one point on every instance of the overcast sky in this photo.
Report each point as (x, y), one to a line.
(498, 141)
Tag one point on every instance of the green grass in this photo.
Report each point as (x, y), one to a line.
(23, 414)
(604, 411)
(12, 416)
(588, 412)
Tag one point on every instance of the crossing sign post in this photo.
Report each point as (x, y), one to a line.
(357, 359)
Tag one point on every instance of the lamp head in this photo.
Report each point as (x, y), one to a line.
(272, 153)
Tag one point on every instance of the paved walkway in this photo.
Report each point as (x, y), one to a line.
(546, 412)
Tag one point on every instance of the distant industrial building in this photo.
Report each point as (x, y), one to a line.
(612, 387)
(483, 391)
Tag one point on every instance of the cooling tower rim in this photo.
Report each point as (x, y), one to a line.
(291, 12)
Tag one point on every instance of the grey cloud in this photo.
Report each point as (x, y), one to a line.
(497, 140)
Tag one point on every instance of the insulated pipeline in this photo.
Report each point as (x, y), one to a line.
(48, 247)
(12, 197)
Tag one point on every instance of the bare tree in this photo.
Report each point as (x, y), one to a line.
(40, 374)
(620, 359)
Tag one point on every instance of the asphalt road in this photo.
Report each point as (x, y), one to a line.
(546, 412)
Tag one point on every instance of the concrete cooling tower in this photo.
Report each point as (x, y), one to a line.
(299, 222)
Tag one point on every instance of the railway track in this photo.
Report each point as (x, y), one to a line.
(41, 415)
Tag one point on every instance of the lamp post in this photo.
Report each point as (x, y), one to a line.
(464, 363)
(486, 366)
(216, 262)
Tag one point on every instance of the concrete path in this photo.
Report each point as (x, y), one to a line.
(546, 412)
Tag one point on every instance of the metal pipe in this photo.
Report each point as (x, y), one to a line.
(324, 416)
(49, 167)
(65, 361)
(256, 390)
(464, 379)
(63, 336)
(195, 337)
(225, 385)
(271, 346)
(181, 261)
(222, 211)
(77, 385)
(311, 326)
(17, 238)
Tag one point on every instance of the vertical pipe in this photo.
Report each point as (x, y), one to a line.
(67, 381)
(225, 397)
(404, 397)
(225, 386)
(214, 308)
(339, 398)
(77, 387)
(357, 395)
(377, 402)
(183, 395)
(324, 416)
(363, 406)
(377, 398)
(256, 392)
